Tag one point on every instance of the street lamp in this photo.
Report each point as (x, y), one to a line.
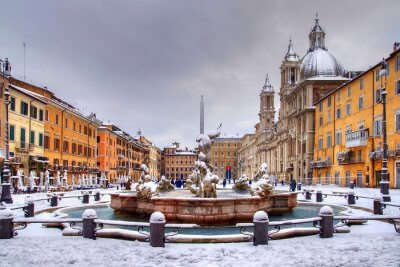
(5, 67)
(384, 184)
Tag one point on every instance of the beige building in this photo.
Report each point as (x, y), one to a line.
(247, 156)
(224, 156)
(177, 163)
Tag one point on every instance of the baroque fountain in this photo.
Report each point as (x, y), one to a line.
(200, 202)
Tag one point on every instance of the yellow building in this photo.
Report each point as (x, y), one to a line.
(26, 130)
(348, 134)
(178, 163)
(247, 156)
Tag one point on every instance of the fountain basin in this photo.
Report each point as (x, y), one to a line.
(205, 211)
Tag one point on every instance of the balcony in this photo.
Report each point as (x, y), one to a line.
(319, 164)
(357, 138)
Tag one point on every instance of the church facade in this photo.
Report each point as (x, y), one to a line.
(287, 145)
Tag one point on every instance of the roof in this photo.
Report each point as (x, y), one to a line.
(29, 93)
(357, 77)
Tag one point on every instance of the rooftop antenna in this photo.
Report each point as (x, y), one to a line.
(24, 44)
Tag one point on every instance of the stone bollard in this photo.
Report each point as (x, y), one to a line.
(54, 200)
(97, 196)
(29, 209)
(378, 209)
(260, 221)
(6, 223)
(308, 195)
(89, 226)
(299, 187)
(326, 225)
(85, 198)
(319, 196)
(351, 199)
(157, 229)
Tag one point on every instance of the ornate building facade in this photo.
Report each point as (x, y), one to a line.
(287, 146)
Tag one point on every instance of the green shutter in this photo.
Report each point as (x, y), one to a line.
(40, 139)
(32, 139)
(22, 137)
(12, 132)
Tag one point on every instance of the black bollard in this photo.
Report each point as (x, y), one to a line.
(260, 221)
(326, 224)
(29, 209)
(89, 225)
(351, 199)
(97, 196)
(378, 209)
(308, 195)
(299, 187)
(6, 223)
(157, 229)
(54, 201)
(319, 196)
(85, 198)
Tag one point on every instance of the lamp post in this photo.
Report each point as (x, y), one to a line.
(384, 184)
(5, 185)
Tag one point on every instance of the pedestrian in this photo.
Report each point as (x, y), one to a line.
(224, 182)
(293, 185)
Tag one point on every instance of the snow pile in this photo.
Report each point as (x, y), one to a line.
(89, 214)
(6, 213)
(157, 217)
(28, 199)
(326, 210)
(260, 216)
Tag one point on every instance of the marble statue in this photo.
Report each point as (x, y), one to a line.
(242, 184)
(263, 186)
(165, 185)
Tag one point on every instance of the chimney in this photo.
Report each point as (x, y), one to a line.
(396, 46)
(7, 67)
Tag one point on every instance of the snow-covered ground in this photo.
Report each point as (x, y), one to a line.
(373, 244)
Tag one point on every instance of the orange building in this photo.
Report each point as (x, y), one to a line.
(348, 135)
(70, 138)
(107, 155)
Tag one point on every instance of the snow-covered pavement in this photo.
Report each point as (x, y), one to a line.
(373, 244)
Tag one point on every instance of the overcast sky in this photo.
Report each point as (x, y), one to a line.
(144, 64)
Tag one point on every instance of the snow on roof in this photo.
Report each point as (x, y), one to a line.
(29, 93)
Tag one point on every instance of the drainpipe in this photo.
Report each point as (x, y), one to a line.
(372, 169)
(29, 134)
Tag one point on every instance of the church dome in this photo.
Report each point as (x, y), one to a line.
(318, 61)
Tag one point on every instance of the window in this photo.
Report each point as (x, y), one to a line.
(338, 138)
(361, 83)
(57, 119)
(74, 126)
(320, 142)
(349, 91)
(46, 142)
(66, 146)
(40, 139)
(329, 101)
(348, 109)
(397, 87)
(80, 128)
(46, 115)
(85, 131)
(24, 108)
(41, 114)
(378, 96)
(12, 133)
(338, 113)
(378, 127)
(338, 96)
(32, 138)
(329, 117)
(320, 121)
(329, 140)
(397, 63)
(66, 123)
(56, 144)
(377, 74)
(73, 148)
(12, 103)
(22, 137)
(397, 119)
(320, 106)
(33, 112)
(360, 102)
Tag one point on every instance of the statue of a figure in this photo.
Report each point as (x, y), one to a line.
(146, 188)
(242, 184)
(165, 184)
(202, 182)
(263, 186)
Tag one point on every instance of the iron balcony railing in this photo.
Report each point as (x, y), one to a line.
(357, 138)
